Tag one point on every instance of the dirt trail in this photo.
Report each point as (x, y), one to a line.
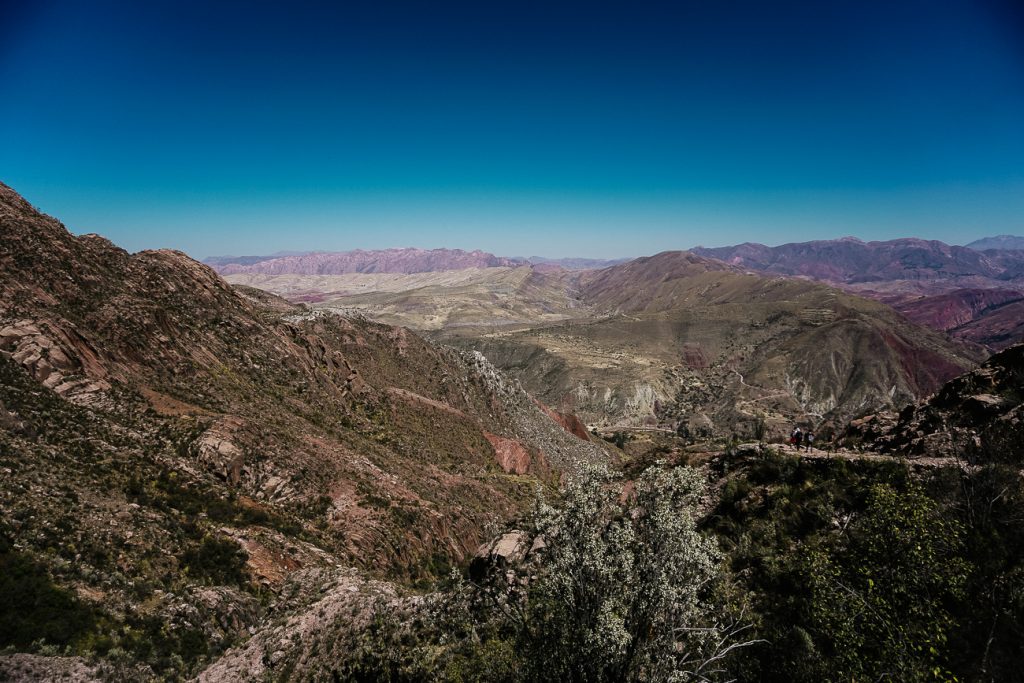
(842, 454)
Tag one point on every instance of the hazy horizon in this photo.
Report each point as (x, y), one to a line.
(287, 253)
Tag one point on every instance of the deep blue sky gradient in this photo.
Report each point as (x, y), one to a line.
(588, 129)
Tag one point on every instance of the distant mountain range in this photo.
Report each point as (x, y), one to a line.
(894, 265)
(400, 260)
(665, 340)
(976, 296)
(973, 295)
(217, 261)
(575, 263)
(406, 260)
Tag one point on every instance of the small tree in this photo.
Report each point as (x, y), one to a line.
(623, 593)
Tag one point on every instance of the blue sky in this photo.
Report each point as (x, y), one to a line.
(588, 129)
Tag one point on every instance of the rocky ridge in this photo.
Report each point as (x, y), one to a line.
(977, 417)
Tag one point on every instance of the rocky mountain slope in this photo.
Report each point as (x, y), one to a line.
(978, 417)
(996, 328)
(374, 261)
(173, 449)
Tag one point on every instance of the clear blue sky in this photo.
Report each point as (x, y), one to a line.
(588, 129)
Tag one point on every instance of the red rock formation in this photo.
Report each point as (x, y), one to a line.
(568, 421)
(992, 317)
(511, 455)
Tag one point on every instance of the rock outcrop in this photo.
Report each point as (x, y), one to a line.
(511, 455)
(978, 417)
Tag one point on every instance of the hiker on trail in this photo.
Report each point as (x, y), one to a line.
(796, 437)
(808, 440)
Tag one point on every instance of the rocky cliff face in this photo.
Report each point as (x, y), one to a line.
(172, 448)
(978, 417)
(375, 261)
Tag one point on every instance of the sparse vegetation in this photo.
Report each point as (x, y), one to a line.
(216, 561)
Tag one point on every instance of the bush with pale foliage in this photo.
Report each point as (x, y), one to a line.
(623, 594)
